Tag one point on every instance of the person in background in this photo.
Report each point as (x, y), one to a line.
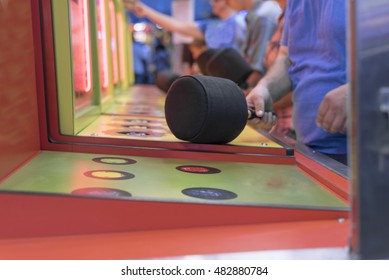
(161, 56)
(261, 22)
(143, 57)
(229, 30)
(190, 53)
(312, 63)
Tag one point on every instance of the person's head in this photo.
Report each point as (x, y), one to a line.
(239, 5)
(282, 4)
(196, 47)
(221, 9)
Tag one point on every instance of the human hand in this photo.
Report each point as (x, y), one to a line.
(136, 6)
(260, 99)
(332, 113)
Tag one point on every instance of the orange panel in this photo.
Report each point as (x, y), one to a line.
(338, 184)
(19, 127)
(179, 242)
(45, 215)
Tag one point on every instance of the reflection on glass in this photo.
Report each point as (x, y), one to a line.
(140, 100)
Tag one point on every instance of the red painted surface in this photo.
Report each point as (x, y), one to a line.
(180, 242)
(334, 182)
(36, 215)
(19, 128)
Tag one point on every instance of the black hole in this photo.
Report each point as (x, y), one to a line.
(209, 193)
(102, 192)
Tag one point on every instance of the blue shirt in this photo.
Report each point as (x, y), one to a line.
(228, 33)
(315, 34)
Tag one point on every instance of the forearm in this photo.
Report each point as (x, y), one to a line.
(276, 79)
(173, 25)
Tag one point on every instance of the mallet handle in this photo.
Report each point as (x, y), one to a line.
(251, 114)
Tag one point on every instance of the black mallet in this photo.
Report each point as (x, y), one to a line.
(204, 109)
(165, 79)
(225, 63)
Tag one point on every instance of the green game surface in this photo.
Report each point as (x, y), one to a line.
(157, 179)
